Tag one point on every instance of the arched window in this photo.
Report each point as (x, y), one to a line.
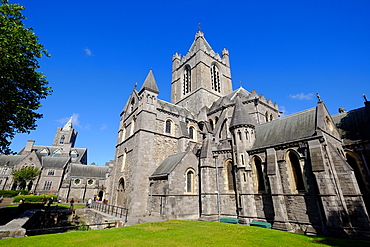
(123, 160)
(230, 176)
(267, 117)
(353, 161)
(296, 172)
(223, 131)
(132, 126)
(215, 78)
(240, 135)
(216, 120)
(259, 174)
(123, 133)
(271, 117)
(190, 185)
(132, 104)
(192, 133)
(247, 135)
(187, 80)
(168, 128)
(62, 140)
(211, 124)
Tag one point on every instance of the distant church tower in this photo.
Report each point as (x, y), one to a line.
(65, 135)
(201, 77)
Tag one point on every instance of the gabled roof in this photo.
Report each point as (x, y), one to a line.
(88, 171)
(175, 109)
(11, 160)
(168, 165)
(150, 83)
(230, 98)
(353, 125)
(54, 162)
(287, 129)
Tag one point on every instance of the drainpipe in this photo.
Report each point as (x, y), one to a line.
(218, 188)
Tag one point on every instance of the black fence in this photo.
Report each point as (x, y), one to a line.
(52, 230)
(110, 209)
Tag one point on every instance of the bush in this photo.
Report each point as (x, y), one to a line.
(12, 193)
(35, 198)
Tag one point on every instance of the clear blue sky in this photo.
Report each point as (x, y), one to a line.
(286, 50)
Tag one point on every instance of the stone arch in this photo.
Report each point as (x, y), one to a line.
(355, 162)
(215, 77)
(259, 174)
(187, 79)
(295, 172)
(229, 172)
(190, 180)
(169, 126)
(192, 133)
(120, 192)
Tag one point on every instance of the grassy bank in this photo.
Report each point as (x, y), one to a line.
(180, 233)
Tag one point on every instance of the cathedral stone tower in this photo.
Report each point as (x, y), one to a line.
(201, 77)
(65, 135)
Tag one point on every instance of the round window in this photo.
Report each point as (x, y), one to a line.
(90, 182)
(77, 181)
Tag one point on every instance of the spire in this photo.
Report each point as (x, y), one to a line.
(240, 115)
(68, 125)
(150, 83)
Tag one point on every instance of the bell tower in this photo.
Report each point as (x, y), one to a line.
(200, 77)
(65, 135)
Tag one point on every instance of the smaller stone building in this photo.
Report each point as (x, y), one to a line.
(64, 169)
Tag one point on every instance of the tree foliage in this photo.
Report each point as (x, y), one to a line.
(21, 86)
(24, 175)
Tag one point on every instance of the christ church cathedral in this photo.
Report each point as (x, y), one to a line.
(217, 152)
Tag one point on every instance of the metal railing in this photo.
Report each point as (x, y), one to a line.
(110, 209)
(52, 230)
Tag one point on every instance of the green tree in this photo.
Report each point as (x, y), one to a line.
(22, 176)
(21, 86)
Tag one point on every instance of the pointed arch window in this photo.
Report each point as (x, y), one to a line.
(296, 173)
(266, 117)
(215, 78)
(240, 135)
(354, 162)
(123, 160)
(259, 174)
(190, 181)
(230, 176)
(187, 80)
(192, 134)
(62, 139)
(211, 124)
(169, 126)
(247, 135)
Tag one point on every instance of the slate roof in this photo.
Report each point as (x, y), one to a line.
(354, 126)
(11, 160)
(175, 109)
(55, 162)
(168, 165)
(287, 129)
(52, 149)
(150, 83)
(88, 171)
(230, 98)
(240, 116)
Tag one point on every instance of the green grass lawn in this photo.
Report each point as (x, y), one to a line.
(180, 233)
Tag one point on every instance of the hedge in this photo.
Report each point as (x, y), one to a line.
(12, 193)
(35, 198)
